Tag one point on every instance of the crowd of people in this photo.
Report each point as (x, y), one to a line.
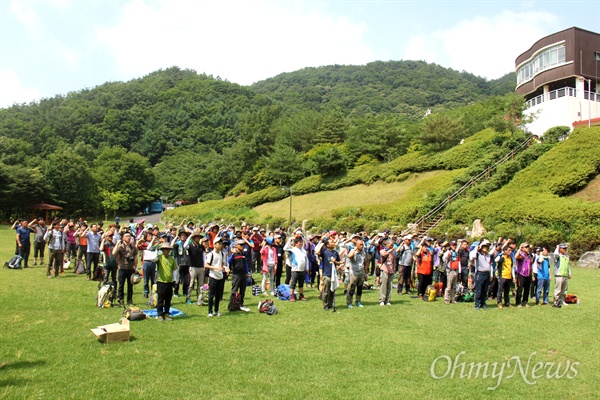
(180, 259)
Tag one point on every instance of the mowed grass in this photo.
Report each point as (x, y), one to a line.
(591, 192)
(320, 204)
(48, 351)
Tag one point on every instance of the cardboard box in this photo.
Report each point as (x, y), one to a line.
(118, 332)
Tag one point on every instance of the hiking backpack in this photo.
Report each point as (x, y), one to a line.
(105, 295)
(153, 296)
(79, 267)
(267, 307)
(14, 262)
(134, 314)
(234, 303)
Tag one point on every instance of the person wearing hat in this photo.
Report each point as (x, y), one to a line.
(212, 231)
(506, 276)
(405, 262)
(562, 274)
(165, 267)
(298, 262)
(257, 239)
(358, 270)
(452, 264)
(524, 270)
(182, 275)
(330, 259)
(57, 246)
(424, 257)
(313, 263)
(126, 254)
(240, 272)
(543, 277)
(481, 259)
(463, 256)
(280, 259)
(269, 265)
(216, 264)
(388, 269)
(107, 247)
(195, 250)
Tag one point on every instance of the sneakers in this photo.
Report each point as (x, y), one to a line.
(484, 307)
(272, 293)
(359, 304)
(292, 298)
(167, 318)
(447, 302)
(388, 304)
(381, 303)
(302, 298)
(210, 315)
(500, 307)
(477, 308)
(175, 295)
(200, 303)
(527, 306)
(161, 319)
(188, 301)
(350, 306)
(49, 276)
(218, 314)
(244, 309)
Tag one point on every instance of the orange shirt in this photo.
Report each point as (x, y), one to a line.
(425, 266)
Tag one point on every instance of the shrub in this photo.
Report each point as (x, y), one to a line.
(586, 238)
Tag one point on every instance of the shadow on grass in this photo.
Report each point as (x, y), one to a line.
(5, 366)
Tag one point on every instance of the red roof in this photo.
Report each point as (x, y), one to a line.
(43, 206)
(593, 121)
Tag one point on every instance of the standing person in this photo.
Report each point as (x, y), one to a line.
(543, 277)
(330, 259)
(71, 241)
(388, 269)
(506, 276)
(359, 269)
(23, 237)
(182, 275)
(405, 262)
(258, 239)
(57, 246)
(110, 262)
(280, 259)
(439, 269)
(216, 263)
(424, 267)
(524, 270)
(82, 244)
(148, 245)
(452, 264)
(93, 249)
(196, 250)
(39, 244)
(463, 256)
(562, 274)
(126, 255)
(269, 265)
(484, 272)
(165, 266)
(238, 263)
(298, 263)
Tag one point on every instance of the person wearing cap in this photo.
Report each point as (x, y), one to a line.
(562, 274)
(481, 259)
(424, 256)
(269, 265)
(330, 259)
(405, 261)
(257, 240)
(358, 269)
(280, 259)
(39, 244)
(240, 272)
(57, 246)
(453, 269)
(543, 277)
(145, 245)
(165, 266)
(534, 272)
(195, 250)
(463, 256)
(506, 276)
(298, 262)
(388, 269)
(523, 269)
(71, 241)
(93, 249)
(313, 262)
(216, 264)
(182, 275)
(107, 247)
(212, 231)
(126, 254)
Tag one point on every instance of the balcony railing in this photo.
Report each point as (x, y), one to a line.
(562, 92)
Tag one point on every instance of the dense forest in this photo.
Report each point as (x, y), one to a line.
(177, 134)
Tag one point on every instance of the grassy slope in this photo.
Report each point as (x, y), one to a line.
(591, 192)
(320, 204)
(48, 351)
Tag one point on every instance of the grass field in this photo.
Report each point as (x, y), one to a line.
(320, 204)
(48, 351)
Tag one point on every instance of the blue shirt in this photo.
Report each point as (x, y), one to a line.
(326, 255)
(24, 234)
(93, 245)
(543, 268)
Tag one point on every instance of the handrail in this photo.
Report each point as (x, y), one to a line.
(487, 172)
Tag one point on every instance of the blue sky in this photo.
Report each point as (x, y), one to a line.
(50, 47)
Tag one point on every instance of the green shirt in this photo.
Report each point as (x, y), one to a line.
(166, 266)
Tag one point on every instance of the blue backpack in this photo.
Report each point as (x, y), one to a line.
(283, 292)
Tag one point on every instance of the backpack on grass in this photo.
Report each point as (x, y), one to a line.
(571, 299)
(267, 307)
(105, 295)
(234, 303)
(79, 267)
(153, 296)
(134, 314)
(14, 262)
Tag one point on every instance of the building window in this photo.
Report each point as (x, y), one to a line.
(550, 57)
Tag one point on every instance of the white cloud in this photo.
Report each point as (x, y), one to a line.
(484, 46)
(242, 41)
(13, 90)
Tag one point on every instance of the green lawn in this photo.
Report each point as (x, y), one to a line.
(48, 351)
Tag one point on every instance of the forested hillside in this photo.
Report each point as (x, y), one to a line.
(177, 134)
